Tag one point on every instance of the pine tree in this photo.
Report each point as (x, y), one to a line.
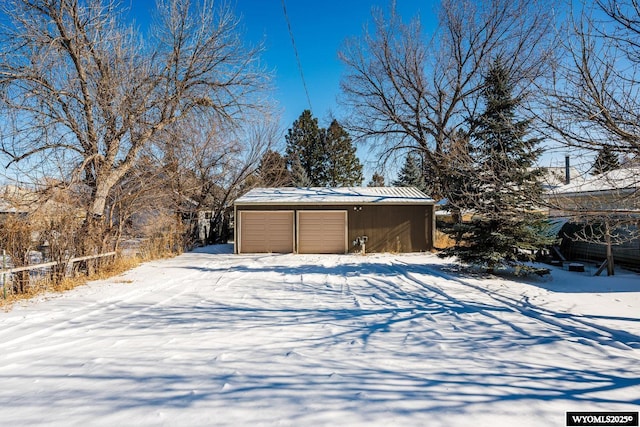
(377, 180)
(342, 167)
(411, 174)
(327, 156)
(305, 145)
(458, 166)
(606, 161)
(505, 192)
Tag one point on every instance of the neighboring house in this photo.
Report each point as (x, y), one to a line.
(16, 201)
(204, 224)
(39, 208)
(334, 220)
(558, 176)
(613, 192)
(7, 208)
(611, 198)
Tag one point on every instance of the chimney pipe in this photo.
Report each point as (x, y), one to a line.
(567, 170)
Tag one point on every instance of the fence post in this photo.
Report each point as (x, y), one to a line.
(4, 275)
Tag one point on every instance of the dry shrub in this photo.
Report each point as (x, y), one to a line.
(164, 237)
(60, 236)
(108, 270)
(15, 239)
(58, 239)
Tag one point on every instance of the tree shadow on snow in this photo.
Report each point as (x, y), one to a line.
(374, 340)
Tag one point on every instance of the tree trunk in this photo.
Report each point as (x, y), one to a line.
(89, 235)
(610, 265)
(94, 233)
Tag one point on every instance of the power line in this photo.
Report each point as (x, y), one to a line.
(295, 51)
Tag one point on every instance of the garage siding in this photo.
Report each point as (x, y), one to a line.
(266, 231)
(390, 228)
(393, 228)
(322, 232)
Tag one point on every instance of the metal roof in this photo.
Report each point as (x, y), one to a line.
(335, 196)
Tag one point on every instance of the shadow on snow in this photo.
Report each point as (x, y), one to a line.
(433, 349)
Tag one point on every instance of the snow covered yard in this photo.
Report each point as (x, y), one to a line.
(219, 339)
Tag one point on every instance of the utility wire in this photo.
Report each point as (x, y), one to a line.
(295, 51)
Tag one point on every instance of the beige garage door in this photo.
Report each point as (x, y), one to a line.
(322, 232)
(266, 231)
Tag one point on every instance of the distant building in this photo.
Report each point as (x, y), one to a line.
(613, 192)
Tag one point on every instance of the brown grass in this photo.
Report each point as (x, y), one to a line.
(45, 285)
(443, 240)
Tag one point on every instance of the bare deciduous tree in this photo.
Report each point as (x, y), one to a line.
(409, 91)
(593, 104)
(78, 83)
(594, 101)
(208, 165)
(272, 170)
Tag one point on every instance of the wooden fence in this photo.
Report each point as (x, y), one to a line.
(4, 272)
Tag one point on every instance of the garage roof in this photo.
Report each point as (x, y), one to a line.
(335, 196)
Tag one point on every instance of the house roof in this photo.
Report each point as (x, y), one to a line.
(627, 179)
(555, 176)
(9, 208)
(335, 196)
(6, 207)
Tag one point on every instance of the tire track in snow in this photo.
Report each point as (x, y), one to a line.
(130, 295)
(74, 318)
(375, 307)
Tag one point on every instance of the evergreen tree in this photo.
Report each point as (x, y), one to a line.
(342, 167)
(327, 156)
(299, 177)
(273, 170)
(411, 174)
(377, 180)
(305, 146)
(606, 161)
(505, 192)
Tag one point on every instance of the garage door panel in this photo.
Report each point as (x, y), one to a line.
(322, 231)
(266, 231)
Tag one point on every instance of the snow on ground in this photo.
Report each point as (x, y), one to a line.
(212, 338)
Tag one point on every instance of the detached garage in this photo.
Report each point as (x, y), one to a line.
(334, 220)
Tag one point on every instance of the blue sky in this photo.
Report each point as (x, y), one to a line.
(319, 29)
